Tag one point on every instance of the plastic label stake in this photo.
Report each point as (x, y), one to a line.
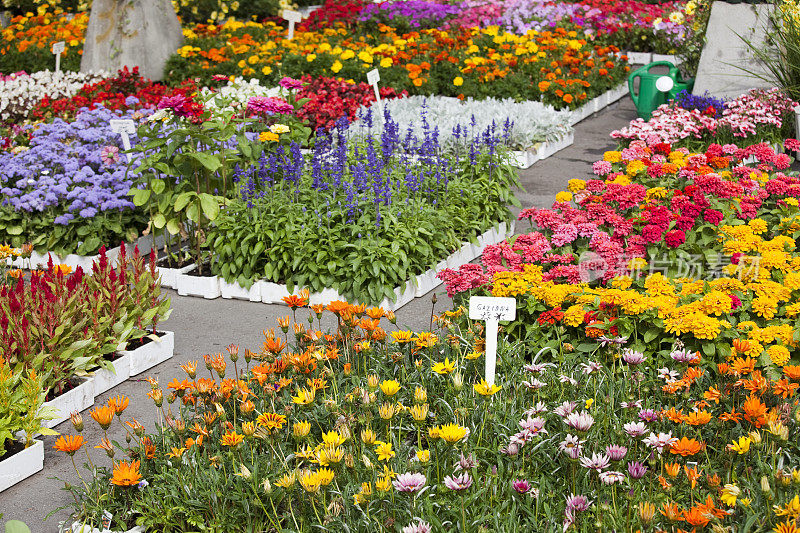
(292, 17)
(492, 310)
(373, 77)
(124, 127)
(57, 49)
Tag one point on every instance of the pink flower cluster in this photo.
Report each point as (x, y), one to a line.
(742, 118)
(614, 223)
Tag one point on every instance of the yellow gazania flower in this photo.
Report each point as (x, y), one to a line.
(304, 396)
(301, 429)
(383, 484)
(473, 355)
(423, 456)
(368, 436)
(325, 476)
(419, 412)
(729, 494)
(390, 387)
(791, 509)
(330, 455)
(333, 438)
(386, 411)
(232, 439)
(401, 337)
(384, 450)
(444, 367)
(742, 446)
(452, 433)
(310, 481)
(484, 389)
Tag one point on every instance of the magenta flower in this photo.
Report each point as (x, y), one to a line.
(410, 482)
(290, 83)
(615, 452)
(521, 485)
(636, 469)
(460, 482)
(578, 503)
(269, 105)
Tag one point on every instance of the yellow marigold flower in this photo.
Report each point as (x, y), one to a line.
(266, 70)
(758, 225)
(484, 389)
(458, 81)
(390, 387)
(365, 56)
(310, 58)
(612, 156)
(336, 67)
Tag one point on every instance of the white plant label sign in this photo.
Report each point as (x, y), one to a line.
(373, 77)
(492, 310)
(124, 127)
(292, 17)
(57, 49)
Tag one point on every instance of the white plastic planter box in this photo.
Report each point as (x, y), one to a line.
(204, 286)
(639, 58)
(665, 57)
(169, 276)
(80, 528)
(105, 380)
(271, 293)
(21, 465)
(237, 292)
(77, 399)
(36, 260)
(152, 353)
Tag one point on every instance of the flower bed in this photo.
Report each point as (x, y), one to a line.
(364, 427)
(60, 323)
(570, 72)
(20, 93)
(25, 44)
(694, 122)
(54, 188)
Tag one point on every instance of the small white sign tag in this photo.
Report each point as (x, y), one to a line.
(57, 49)
(492, 310)
(124, 127)
(292, 17)
(373, 77)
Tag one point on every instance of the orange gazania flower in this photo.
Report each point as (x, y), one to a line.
(118, 403)
(232, 439)
(273, 345)
(731, 416)
(337, 307)
(743, 366)
(295, 301)
(271, 420)
(375, 313)
(69, 444)
(686, 447)
(673, 469)
(697, 516)
(103, 415)
(692, 474)
(756, 384)
(126, 474)
(792, 372)
(783, 388)
(671, 512)
(712, 395)
(673, 415)
(755, 411)
(698, 418)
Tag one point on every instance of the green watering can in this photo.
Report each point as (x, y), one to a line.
(656, 89)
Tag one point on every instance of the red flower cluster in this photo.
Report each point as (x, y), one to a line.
(331, 98)
(333, 11)
(112, 93)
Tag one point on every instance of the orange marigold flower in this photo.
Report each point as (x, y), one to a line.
(686, 447)
(126, 474)
(69, 444)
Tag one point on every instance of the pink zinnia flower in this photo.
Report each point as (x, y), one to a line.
(290, 83)
(675, 238)
(109, 155)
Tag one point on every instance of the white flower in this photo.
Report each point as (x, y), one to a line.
(660, 441)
